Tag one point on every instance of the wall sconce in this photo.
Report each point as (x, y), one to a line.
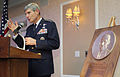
(73, 16)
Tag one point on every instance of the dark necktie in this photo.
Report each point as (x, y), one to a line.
(34, 27)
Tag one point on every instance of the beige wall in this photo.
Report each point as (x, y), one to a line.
(107, 9)
(77, 40)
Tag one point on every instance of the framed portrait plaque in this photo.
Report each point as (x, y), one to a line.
(103, 53)
(103, 44)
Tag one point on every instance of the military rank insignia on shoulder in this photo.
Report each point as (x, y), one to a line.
(49, 20)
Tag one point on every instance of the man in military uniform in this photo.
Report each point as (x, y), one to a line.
(41, 37)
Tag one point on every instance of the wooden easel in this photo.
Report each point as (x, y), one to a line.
(112, 22)
(105, 67)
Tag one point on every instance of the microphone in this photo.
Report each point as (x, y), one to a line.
(20, 25)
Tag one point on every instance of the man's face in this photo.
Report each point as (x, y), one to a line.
(31, 15)
(104, 42)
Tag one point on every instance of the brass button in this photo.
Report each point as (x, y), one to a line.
(32, 47)
(39, 53)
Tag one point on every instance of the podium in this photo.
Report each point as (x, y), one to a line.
(14, 61)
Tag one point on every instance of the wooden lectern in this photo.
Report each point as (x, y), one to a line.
(14, 61)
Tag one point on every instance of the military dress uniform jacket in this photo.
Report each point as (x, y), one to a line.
(47, 39)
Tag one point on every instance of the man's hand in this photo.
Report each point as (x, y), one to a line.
(30, 41)
(11, 25)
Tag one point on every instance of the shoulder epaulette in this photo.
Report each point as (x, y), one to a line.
(49, 20)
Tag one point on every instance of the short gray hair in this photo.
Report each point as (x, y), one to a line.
(32, 6)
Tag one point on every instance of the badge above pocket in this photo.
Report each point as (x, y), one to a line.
(42, 38)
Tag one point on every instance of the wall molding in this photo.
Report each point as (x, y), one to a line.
(61, 39)
(71, 76)
(96, 15)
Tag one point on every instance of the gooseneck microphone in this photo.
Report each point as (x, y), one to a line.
(20, 25)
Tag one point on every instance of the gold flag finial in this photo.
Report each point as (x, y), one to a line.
(9, 35)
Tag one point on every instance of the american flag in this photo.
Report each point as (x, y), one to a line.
(4, 29)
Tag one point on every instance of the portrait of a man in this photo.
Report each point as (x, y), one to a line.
(105, 41)
(103, 45)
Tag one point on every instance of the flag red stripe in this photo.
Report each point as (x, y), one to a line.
(6, 30)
